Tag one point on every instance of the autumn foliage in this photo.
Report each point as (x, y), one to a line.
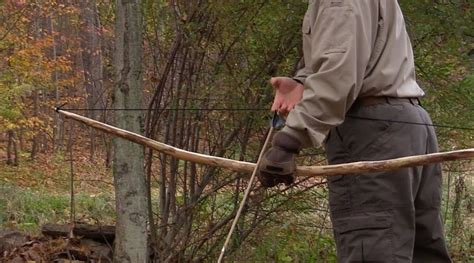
(202, 59)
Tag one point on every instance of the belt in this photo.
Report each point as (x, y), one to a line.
(374, 100)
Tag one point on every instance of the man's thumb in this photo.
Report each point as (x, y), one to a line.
(275, 82)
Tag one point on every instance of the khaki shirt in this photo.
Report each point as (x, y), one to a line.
(352, 48)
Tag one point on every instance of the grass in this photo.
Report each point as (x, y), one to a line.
(292, 243)
(27, 209)
(38, 192)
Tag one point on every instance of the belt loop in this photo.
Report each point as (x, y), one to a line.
(387, 99)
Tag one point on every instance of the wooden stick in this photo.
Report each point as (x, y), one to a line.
(246, 167)
(246, 195)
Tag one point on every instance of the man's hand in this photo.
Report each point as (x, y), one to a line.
(288, 92)
(278, 164)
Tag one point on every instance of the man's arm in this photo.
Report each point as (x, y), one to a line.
(337, 50)
(340, 41)
(301, 72)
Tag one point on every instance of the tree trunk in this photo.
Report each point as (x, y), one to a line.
(128, 166)
(92, 62)
(12, 151)
(36, 137)
(57, 143)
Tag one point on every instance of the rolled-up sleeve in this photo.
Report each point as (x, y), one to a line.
(340, 41)
(301, 72)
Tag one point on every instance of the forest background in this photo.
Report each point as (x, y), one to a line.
(206, 71)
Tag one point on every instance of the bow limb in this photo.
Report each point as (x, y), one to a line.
(246, 167)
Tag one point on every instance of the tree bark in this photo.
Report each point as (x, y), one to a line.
(36, 137)
(128, 164)
(92, 62)
(12, 151)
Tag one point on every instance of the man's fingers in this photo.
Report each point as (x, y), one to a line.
(283, 107)
(287, 108)
(291, 107)
(283, 111)
(276, 105)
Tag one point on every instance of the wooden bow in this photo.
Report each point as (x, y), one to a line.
(246, 167)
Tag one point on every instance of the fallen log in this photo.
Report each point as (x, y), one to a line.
(246, 167)
(94, 232)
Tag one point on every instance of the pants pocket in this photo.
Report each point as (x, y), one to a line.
(368, 131)
(365, 238)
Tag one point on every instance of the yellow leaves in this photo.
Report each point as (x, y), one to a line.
(26, 53)
(25, 20)
(32, 64)
(11, 126)
(33, 122)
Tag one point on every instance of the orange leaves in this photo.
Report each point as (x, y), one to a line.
(32, 63)
(34, 57)
(29, 50)
(58, 250)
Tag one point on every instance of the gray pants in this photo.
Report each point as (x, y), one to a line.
(390, 216)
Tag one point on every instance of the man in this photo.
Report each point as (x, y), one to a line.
(354, 93)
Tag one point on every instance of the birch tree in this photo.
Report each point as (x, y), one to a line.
(131, 233)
